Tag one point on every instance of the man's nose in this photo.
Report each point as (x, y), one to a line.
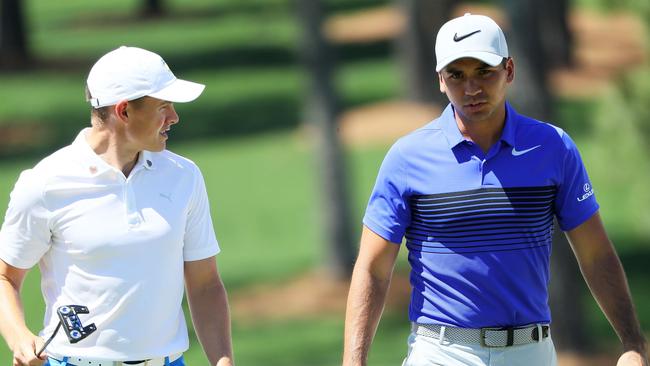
(172, 116)
(472, 87)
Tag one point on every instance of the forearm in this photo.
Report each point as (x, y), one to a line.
(606, 279)
(12, 319)
(211, 318)
(365, 304)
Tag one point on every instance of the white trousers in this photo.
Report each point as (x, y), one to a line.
(430, 351)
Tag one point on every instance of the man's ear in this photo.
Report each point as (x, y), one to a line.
(510, 69)
(441, 81)
(120, 110)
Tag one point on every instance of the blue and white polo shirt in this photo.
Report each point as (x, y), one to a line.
(478, 226)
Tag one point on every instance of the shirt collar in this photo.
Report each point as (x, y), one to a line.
(96, 165)
(510, 126)
(449, 127)
(146, 160)
(454, 137)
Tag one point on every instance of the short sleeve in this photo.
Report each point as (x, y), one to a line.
(575, 201)
(388, 213)
(200, 241)
(25, 234)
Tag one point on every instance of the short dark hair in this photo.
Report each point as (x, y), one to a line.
(102, 112)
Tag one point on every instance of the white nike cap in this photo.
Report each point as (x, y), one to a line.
(475, 36)
(129, 73)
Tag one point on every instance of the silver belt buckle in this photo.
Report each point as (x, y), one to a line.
(509, 336)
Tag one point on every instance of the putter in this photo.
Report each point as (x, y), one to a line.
(71, 325)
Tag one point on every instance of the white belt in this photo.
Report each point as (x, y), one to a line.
(159, 361)
(487, 337)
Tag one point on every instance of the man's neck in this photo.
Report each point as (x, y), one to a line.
(106, 144)
(485, 132)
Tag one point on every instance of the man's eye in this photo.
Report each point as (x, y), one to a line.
(455, 75)
(485, 72)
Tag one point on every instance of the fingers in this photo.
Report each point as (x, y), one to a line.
(632, 358)
(25, 355)
(38, 346)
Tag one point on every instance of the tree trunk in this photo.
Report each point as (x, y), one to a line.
(13, 37)
(322, 111)
(530, 91)
(557, 38)
(531, 96)
(567, 305)
(152, 8)
(415, 48)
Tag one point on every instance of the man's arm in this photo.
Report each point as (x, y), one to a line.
(370, 280)
(22, 342)
(606, 279)
(208, 302)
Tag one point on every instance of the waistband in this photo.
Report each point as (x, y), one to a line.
(84, 361)
(492, 337)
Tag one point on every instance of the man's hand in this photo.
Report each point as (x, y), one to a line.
(25, 351)
(632, 358)
(224, 362)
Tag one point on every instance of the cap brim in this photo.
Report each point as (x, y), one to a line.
(487, 57)
(179, 91)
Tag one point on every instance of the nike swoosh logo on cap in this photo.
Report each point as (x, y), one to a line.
(458, 39)
(522, 152)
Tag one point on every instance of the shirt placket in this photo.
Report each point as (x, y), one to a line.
(133, 216)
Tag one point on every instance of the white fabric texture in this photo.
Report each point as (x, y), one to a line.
(116, 245)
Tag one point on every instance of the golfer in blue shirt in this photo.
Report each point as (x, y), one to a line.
(475, 193)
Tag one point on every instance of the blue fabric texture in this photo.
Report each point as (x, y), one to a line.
(478, 225)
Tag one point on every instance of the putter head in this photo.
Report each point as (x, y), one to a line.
(71, 323)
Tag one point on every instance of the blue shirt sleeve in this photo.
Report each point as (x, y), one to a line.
(388, 213)
(575, 201)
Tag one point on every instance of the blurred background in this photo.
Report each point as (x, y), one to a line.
(303, 99)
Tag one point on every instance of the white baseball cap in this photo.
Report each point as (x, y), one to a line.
(475, 36)
(129, 73)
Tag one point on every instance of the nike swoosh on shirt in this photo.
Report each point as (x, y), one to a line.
(458, 39)
(522, 152)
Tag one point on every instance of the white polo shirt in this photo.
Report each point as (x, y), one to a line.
(114, 244)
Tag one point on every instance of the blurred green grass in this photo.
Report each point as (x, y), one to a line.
(245, 52)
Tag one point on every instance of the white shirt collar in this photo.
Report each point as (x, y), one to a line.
(96, 165)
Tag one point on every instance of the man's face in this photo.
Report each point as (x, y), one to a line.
(149, 121)
(475, 89)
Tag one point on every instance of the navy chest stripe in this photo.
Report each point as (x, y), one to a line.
(481, 220)
(483, 225)
(510, 192)
(489, 230)
(476, 243)
(482, 208)
(511, 212)
(418, 205)
(449, 251)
